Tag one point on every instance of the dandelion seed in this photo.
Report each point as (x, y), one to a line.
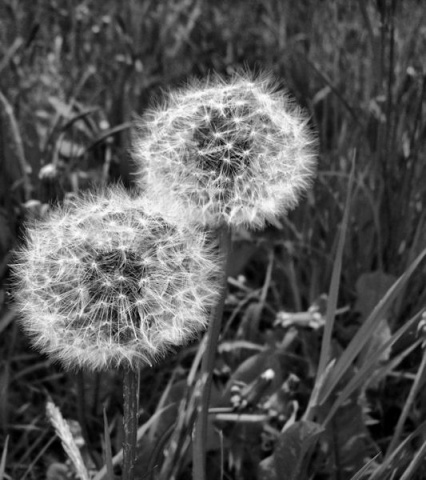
(239, 153)
(110, 282)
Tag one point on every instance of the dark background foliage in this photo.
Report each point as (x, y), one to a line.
(74, 75)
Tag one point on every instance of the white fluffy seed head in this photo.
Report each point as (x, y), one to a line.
(237, 152)
(109, 281)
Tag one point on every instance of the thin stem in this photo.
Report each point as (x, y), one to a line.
(409, 402)
(82, 417)
(200, 430)
(130, 421)
(81, 406)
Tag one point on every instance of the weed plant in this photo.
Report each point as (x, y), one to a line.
(319, 369)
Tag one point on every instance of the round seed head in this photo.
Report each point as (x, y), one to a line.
(238, 152)
(109, 281)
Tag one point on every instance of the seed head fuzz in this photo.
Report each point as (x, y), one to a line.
(237, 152)
(110, 281)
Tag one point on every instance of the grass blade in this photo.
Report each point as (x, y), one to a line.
(335, 282)
(333, 293)
(365, 469)
(418, 459)
(386, 465)
(3, 459)
(108, 449)
(102, 474)
(367, 369)
(366, 331)
(408, 403)
(200, 428)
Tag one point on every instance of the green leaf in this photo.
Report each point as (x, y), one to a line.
(371, 288)
(292, 452)
(349, 441)
(362, 376)
(14, 168)
(366, 331)
(118, 458)
(252, 368)
(335, 283)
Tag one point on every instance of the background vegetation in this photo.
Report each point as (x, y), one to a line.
(73, 75)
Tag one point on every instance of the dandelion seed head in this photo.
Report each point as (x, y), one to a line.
(238, 152)
(109, 281)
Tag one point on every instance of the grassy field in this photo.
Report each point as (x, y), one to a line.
(341, 277)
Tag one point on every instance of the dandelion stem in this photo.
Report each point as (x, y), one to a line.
(130, 421)
(200, 430)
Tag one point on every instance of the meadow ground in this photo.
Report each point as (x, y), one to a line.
(342, 276)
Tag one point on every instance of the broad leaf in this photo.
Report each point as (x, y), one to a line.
(371, 288)
(292, 453)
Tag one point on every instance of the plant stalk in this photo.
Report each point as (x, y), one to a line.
(207, 366)
(130, 421)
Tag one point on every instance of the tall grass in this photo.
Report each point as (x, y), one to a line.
(72, 77)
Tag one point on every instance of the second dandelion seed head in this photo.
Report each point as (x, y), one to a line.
(236, 152)
(111, 281)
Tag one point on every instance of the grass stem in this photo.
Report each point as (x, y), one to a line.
(407, 406)
(201, 424)
(130, 421)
